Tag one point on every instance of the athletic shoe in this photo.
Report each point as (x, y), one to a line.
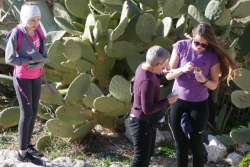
(32, 151)
(29, 158)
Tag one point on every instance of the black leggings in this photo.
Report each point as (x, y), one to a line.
(198, 113)
(28, 113)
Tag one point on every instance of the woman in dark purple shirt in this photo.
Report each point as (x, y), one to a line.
(147, 101)
(203, 52)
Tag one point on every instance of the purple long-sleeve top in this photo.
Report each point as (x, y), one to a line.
(147, 93)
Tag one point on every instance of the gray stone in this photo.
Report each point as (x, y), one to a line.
(234, 158)
(68, 162)
(216, 150)
(167, 135)
(243, 148)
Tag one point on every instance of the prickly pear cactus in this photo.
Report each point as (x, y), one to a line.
(94, 48)
(9, 117)
(240, 135)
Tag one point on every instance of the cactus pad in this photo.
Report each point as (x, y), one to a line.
(224, 19)
(196, 16)
(80, 65)
(225, 140)
(171, 7)
(73, 114)
(240, 99)
(240, 136)
(52, 36)
(122, 111)
(60, 11)
(59, 128)
(67, 26)
(150, 3)
(120, 49)
(102, 70)
(43, 112)
(97, 31)
(81, 132)
(72, 50)
(214, 10)
(44, 142)
(134, 60)
(108, 122)
(56, 56)
(88, 101)
(107, 104)
(77, 88)
(145, 27)
(119, 29)
(10, 116)
(93, 90)
(119, 88)
(242, 10)
(78, 8)
(48, 97)
(241, 78)
(87, 51)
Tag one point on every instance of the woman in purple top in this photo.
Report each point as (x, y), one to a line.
(147, 102)
(203, 52)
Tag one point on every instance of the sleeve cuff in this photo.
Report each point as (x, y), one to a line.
(26, 61)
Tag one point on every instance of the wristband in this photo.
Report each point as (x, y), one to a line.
(203, 83)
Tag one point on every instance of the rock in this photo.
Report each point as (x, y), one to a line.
(216, 150)
(234, 158)
(243, 148)
(167, 135)
(66, 161)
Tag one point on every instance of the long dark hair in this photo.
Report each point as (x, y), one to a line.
(226, 61)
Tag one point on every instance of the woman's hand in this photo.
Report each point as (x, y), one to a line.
(172, 98)
(200, 78)
(187, 67)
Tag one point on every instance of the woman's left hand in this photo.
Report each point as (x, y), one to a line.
(200, 78)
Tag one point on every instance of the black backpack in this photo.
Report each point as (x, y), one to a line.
(156, 119)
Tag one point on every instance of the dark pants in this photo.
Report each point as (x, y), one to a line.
(144, 141)
(198, 113)
(28, 113)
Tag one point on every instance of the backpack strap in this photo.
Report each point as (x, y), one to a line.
(19, 38)
(21, 90)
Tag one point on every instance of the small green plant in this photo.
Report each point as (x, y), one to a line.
(166, 149)
(4, 140)
(245, 162)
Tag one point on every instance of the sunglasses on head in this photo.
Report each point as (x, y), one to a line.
(196, 43)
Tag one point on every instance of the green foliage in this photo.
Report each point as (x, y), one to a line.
(166, 149)
(221, 116)
(245, 161)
